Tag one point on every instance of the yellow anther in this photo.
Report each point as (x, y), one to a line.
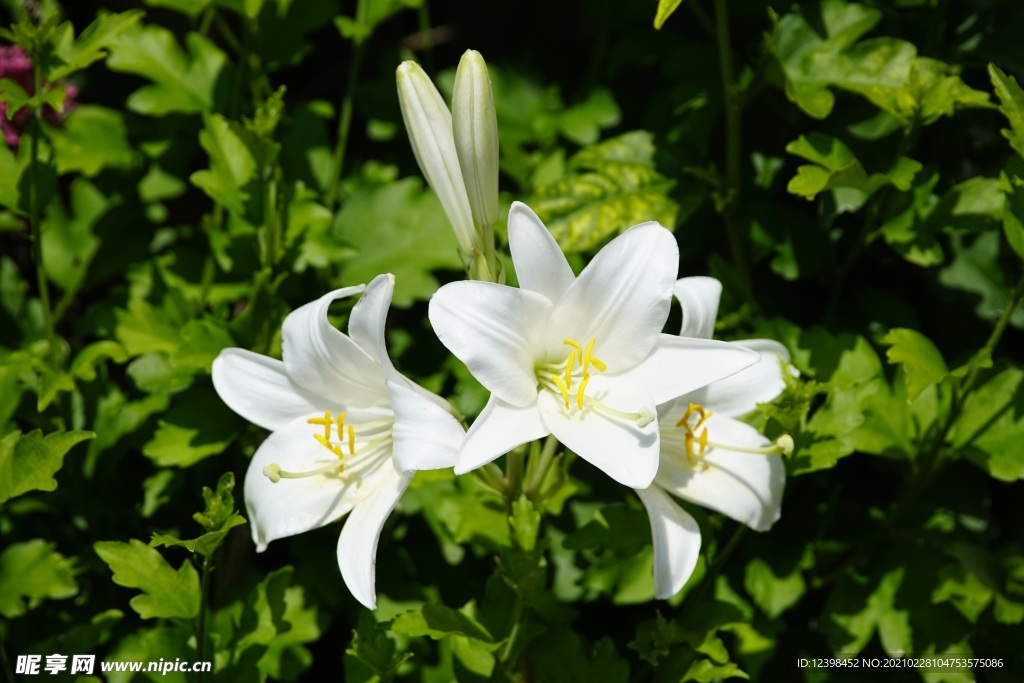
(325, 421)
(579, 391)
(333, 448)
(341, 423)
(575, 344)
(560, 383)
(351, 440)
(568, 369)
(589, 359)
(691, 430)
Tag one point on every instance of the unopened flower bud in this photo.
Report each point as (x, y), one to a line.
(429, 125)
(475, 125)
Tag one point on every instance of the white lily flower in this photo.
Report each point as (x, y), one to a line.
(347, 429)
(581, 358)
(429, 125)
(708, 457)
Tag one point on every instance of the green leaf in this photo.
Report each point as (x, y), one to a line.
(410, 237)
(91, 138)
(218, 518)
(772, 593)
(69, 239)
(92, 44)
(619, 528)
(33, 571)
(836, 168)
(922, 361)
(267, 630)
(166, 593)
(438, 621)
(525, 521)
(822, 51)
(182, 82)
(665, 10)
(28, 463)
(990, 429)
(855, 613)
(1011, 104)
(615, 188)
(197, 426)
(232, 164)
(976, 269)
(84, 365)
(1013, 218)
(14, 96)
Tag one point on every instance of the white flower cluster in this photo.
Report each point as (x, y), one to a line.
(581, 358)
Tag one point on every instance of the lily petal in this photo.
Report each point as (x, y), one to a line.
(322, 360)
(292, 506)
(760, 383)
(258, 389)
(500, 427)
(743, 486)
(624, 451)
(369, 316)
(622, 297)
(676, 539)
(427, 437)
(679, 365)
(539, 262)
(698, 297)
(357, 546)
(494, 330)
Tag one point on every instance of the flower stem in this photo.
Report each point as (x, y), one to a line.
(733, 139)
(345, 115)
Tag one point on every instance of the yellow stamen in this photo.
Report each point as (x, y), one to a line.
(569, 367)
(691, 430)
(575, 344)
(341, 422)
(580, 390)
(351, 440)
(562, 388)
(325, 421)
(333, 448)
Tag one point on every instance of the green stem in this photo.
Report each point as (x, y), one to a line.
(541, 465)
(272, 221)
(719, 562)
(426, 38)
(345, 115)
(511, 644)
(733, 139)
(204, 593)
(514, 478)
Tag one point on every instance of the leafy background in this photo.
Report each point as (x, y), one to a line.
(850, 171)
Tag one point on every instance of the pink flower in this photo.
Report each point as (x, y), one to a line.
(16, 65)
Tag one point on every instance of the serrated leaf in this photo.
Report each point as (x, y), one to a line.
(166, 592)
(1011, 104)
(665, 10)
(91, 138)
(14, 96)
(197, 426)
(922, 362)
(976, 269)
(69, 240)
(92, 44)
(84, 365)
(525, 521)
(855, 613)
(772, 593)
(232, 164)
(438, 621)
(183, 82)
(990, 429)
(28, 463)
(836, 168)
(617, 187)
(33, 571)
(410, 237)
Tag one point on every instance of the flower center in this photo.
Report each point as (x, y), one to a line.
(696, 441)
(569, 378)
(343, 448)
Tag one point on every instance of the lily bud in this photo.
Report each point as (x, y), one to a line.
(476, 136)
(429, 125)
